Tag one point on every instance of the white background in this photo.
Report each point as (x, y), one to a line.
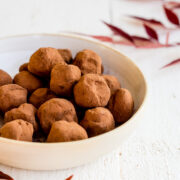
(153, 151)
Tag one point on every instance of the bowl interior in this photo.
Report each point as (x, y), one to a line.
(15, 51)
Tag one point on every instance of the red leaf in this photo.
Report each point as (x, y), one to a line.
(140, 38)
(102, 38)
(172, 63)
(69, 178)
(151, 21)
(151, 32)
(119, 32)
(172, 17)
(5, 176)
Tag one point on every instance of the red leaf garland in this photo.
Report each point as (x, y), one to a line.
(151, 32)
(119, 32)
(172, 63)
(5, 176)
(172, 17)
(69, 178)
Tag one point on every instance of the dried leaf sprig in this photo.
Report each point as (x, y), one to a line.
(151, 26)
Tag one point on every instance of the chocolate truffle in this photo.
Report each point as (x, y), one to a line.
(63, 131)
(54, 110)
(97, 121)
(112, 82)
(66, 55)
(23, 67)
(121, 105)
(91, 91)
(63, 78)
(28, 81)
(5, 78)
(43, 60)
(17, 130)
(11, 96)
(88, 62)
(40, 96)
(25, 111)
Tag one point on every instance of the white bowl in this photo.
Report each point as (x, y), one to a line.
(50, 156)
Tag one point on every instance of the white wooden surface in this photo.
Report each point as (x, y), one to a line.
(153, 151)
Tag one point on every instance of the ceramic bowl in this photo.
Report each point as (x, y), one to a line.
(50, 156)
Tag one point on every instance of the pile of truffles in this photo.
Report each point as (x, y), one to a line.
(61, 98)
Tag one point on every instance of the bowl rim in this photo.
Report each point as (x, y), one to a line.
(93, 41)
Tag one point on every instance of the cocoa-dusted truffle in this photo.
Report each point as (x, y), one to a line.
(28, 81)
(63, 78)
(40, 96)
(25, 111)
(23, 67)
(112, 82)
(91, 91)
(97, 121)
(121, 105)
(5, 78)
(17, 130)
(88, 62)
(43, 60)
(54, 110)
(11, 96)
(63, 131)
(66, 55)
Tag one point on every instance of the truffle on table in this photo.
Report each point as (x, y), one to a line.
(91, 91)
(66, 55)
(88, 62)
(5, 78)
(28, 81)
(23, 67)
(11, 96)
(40, 96)
(121, 105)
(43, 60)
(54, 110)
(63, 131)
(112, 82)
(17, 130)
(26, 112)
(63, 78)
(97, 121)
